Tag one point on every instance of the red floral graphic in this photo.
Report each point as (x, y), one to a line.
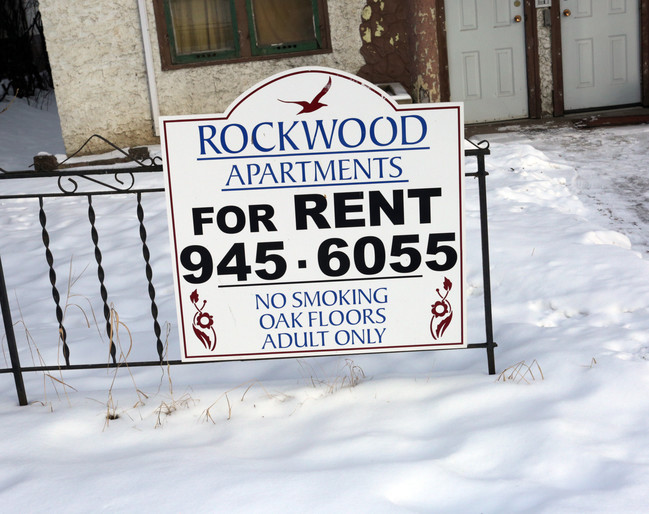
(203, 323)
(442, 312)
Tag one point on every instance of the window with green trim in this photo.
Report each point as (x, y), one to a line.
(209, 31)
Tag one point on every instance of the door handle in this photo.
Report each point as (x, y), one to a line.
(567, 12)
(518, 18)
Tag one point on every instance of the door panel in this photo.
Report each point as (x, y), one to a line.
(486, 53)
(600, 43)
(468, 15)
(471, 71)
(505, 72)
(586, 68)
(618, 59)
(503, 13)
(584, 8)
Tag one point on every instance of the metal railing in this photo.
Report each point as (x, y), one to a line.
(123, 181)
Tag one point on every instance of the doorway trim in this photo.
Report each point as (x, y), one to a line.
(531, 58)
(557, 57)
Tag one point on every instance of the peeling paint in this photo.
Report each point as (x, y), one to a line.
(426, 85)
(385, 48)
(403, 47)
(367, 13)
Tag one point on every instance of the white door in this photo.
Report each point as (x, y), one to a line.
(600, 43)
(486, 58)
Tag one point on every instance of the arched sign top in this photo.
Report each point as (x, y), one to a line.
(305, 81)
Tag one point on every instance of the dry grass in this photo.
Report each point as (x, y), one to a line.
(38, 360)
(117, 328)
(522, 372)
(206, 415)
(168, 407)
(348, 375)
(11, 101)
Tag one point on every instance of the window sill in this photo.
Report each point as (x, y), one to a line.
(222, 62)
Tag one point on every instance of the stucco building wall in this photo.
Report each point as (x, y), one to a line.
(95, 52)
(97, 59)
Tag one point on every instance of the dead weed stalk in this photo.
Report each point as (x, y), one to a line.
(521, 372)
(206, 415)
(349, 375)
(167, 408)
(122, 362)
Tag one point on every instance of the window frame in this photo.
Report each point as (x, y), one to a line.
(246, 48)
(200, 56)
(286, 48)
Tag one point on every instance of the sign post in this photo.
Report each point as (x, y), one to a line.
(316, 217)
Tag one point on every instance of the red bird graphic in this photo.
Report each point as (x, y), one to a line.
(314, 104)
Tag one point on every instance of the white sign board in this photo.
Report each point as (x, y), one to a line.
(316, 216)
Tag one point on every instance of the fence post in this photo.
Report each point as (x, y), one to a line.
(486, 272)
(479, 153)
(11, 340)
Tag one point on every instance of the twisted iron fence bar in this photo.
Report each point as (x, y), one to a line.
(55, 292)
(149, 276)
(101, 276)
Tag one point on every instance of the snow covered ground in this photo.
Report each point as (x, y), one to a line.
(567, 431)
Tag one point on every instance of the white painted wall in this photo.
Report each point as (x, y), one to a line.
(97, 59)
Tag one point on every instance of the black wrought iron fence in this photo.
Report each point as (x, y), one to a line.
(88, 184)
